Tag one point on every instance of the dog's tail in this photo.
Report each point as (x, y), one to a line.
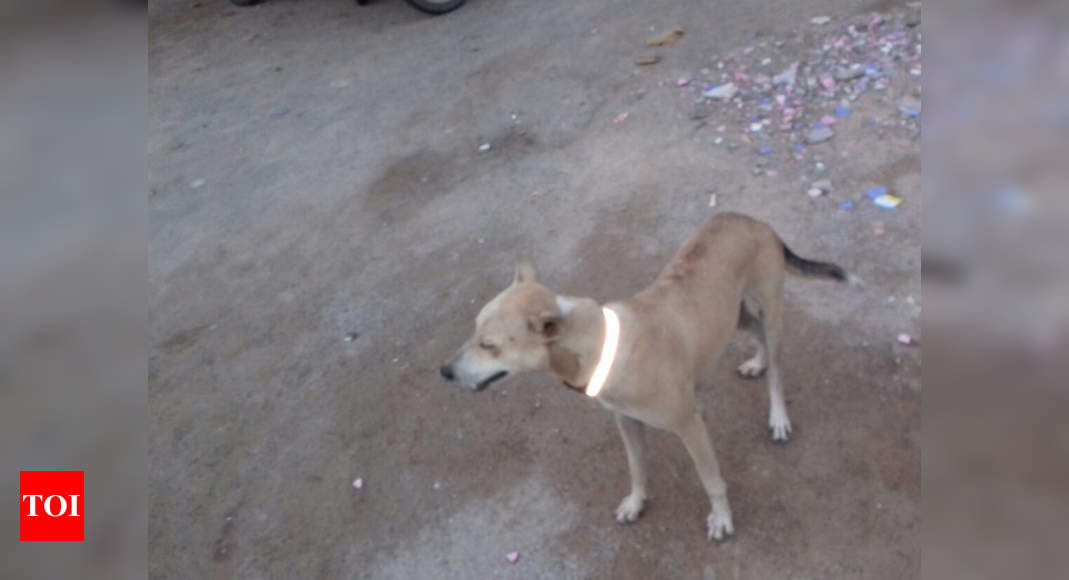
(815, 269)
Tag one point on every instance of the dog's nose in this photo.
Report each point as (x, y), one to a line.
(447, 372)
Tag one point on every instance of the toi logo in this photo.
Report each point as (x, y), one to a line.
(51, 506)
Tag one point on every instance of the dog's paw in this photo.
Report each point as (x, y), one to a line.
(780, 426)
(630, 508)
(752, 368)
(720, 526)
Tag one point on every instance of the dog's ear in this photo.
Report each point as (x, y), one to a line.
(546, 324)
(525, 272)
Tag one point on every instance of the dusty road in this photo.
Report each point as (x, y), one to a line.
(315, 174)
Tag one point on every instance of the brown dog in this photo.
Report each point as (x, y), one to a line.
(641, 358)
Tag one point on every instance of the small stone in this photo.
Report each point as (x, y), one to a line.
(484, 148)
(620, 118)
(819, 135)
(815, 192)
(358, 483)
(820, 20)
(712, 200)
(648, 60)
(824, 185)
(682, 82)
(197, 183)
(905, 339)
(351, 337)
(512, 557)
(755, 127)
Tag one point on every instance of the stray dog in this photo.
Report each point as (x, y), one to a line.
(642, 357)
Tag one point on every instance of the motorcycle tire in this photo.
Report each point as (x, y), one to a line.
(436, 6)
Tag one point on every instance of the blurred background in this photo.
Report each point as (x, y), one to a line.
(73, 290)
(73, 266)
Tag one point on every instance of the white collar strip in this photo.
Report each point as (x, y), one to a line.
(608, 353)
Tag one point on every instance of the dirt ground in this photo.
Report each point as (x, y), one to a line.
(315, 174)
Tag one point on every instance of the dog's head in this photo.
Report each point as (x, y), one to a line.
(513, 333)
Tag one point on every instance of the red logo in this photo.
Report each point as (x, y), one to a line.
(51, 506)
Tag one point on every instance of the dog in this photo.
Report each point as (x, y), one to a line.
(641, 358)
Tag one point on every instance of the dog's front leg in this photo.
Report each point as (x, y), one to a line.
(632, 432)
(696, 438)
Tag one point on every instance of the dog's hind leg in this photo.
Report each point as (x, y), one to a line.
(633, 432)
(750, 323)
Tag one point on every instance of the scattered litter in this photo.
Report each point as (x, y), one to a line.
(764, 150)
(724, 92)
(787, 77)
(875, 192)
(824, 185)
(755, 127)
(358, 483)
(197, 183)
(906, 339)
(484, 148)
(910, 106)
(815, 192)
(648, 60)
(667, 38)
(718, 140)
(351, 336)
(512, 557)
(849, 74)
(846, 206)
(682, 82)
(820, 20)
(819, 134)
(887, 201)
(712, 200)
(766, 61)
(621, 118)
(843, 112)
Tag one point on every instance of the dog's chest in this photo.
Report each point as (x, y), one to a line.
(625, 406)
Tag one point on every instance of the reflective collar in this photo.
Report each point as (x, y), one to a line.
(608, 353)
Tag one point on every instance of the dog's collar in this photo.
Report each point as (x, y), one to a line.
(608, 354)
